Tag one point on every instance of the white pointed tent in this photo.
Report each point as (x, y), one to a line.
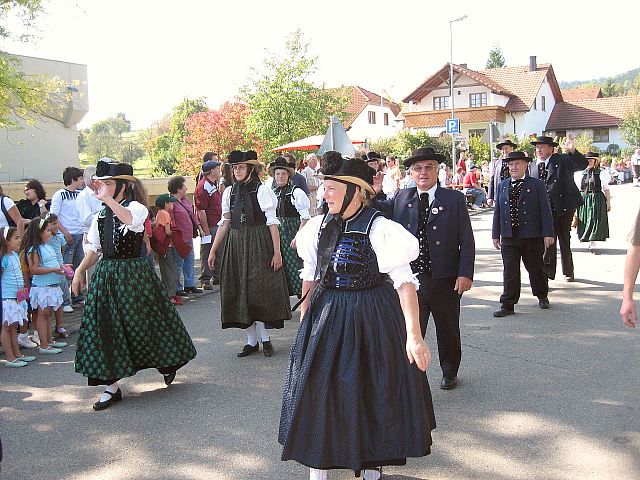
(336, 139)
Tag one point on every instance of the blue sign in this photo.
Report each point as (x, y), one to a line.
(453, 125)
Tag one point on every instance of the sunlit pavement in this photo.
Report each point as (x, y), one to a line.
(550, 394)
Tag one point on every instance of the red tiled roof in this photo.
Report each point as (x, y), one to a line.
(584, 93)
(360, 98)
(595, 112)
(518, 83)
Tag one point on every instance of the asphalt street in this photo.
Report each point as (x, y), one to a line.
(550, 394)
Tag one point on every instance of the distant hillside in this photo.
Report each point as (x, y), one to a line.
(629, 77)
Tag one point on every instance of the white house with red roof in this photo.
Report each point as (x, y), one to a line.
(369, 115)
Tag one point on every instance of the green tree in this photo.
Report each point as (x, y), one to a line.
(630, 127)
(496, 59)
(110, 138)
(25, 98)
(284, 104)
(166, 149)
(610, 88)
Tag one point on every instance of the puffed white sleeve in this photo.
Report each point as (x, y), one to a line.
(395, 248)
(226, 205)
(139, 214)
(605, 178)
(93, 236)
(307, 246)
(300, 200)
(268, 203)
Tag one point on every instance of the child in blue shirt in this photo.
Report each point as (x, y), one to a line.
(57, 242)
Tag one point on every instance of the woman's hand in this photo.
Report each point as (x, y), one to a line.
(211, 261)
(77, 284)
(100, 190)
(417, 351)
(293, 243)
(276, 262)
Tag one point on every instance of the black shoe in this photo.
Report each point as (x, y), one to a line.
(207, 286)
(248, 350)
(448, 383)
(192, 290)
(169, 378)
(544, 303)
(569, 278)
(214, 281)
(503, 312)
(181, 293)
(267, 348)
(115, 397)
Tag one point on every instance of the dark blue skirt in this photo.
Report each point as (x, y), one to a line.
(351, 399)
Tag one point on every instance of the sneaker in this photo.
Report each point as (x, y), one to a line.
(207, 286)
(57, 344)
(25, 342)
(15, 363)
(181, 293)
(192, 290)
(67, 309)
(176, 300)
(36, 337)
(61, 332)
(49, 351)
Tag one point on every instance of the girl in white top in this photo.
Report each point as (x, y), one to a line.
(14, 305)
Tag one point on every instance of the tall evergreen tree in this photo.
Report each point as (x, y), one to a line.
(496, 59)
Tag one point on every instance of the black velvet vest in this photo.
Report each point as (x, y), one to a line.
(354, 265)
(285, 206)
(591, 181)
(245, 209)
(127, 245)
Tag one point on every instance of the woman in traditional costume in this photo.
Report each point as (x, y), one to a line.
(129, 322)
(253, 288)
(356, 396)
(592, 215)
(292, 212)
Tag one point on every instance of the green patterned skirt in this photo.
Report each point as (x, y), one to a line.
(249, 288)
(129, 324)
(593, 219)
(292, 263)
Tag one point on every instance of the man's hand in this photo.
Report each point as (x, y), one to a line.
(628, 313)
(490, 202)
(462, 284)
(569, 143)
(548, 241)
(496, 243)
(68, 238)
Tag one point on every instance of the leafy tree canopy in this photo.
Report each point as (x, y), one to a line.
(630, 127)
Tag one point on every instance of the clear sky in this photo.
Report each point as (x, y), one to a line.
(144, 56)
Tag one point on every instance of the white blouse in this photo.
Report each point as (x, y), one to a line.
(300, 200)
(393, 245)
(266, 199)
(139, 213)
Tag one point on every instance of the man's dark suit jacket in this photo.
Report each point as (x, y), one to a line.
(534, 210)
(561, 186)
(451, 242)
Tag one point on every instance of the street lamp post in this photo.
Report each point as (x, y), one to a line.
(453, 135)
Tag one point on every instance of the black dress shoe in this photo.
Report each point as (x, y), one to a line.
(503, 312)
(192, 290)
(181, 293)
(448, 383)
(115, 397)
(169, 378)
(214, 281)
(248, 350)
(267, 348)
(544, 303)
(569, 278)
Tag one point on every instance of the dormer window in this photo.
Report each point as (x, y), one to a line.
(477, 100)
(440, 103)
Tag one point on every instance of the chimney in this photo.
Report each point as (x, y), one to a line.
(464, 65)
(533, 65)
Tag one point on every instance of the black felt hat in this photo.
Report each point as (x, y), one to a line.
(506, 143)
(280, 162)
(542, 140)
(373, 156)
(424, 153)
(518, 156)
(350, 170)
(592, 155)
(236, 157)
(108, 168)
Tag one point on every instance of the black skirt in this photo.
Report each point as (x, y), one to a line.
(351, 399)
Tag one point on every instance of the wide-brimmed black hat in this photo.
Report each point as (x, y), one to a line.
(506, 143)
(280, 162)
(518, 156)
(350, 170)
(236, 157)
(592, 155)
(542, 140)
(424, 153)
(373, 156)
(108, 168)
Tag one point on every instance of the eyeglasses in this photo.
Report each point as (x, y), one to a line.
(423, 168)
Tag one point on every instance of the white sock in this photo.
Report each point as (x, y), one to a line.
(113, 388)
(251, 335)
(262, 331)
(371, 475)
(315, 474)
(592, 245)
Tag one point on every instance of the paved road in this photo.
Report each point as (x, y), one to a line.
(543, 394)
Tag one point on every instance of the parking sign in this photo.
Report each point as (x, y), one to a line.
(453, 125)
